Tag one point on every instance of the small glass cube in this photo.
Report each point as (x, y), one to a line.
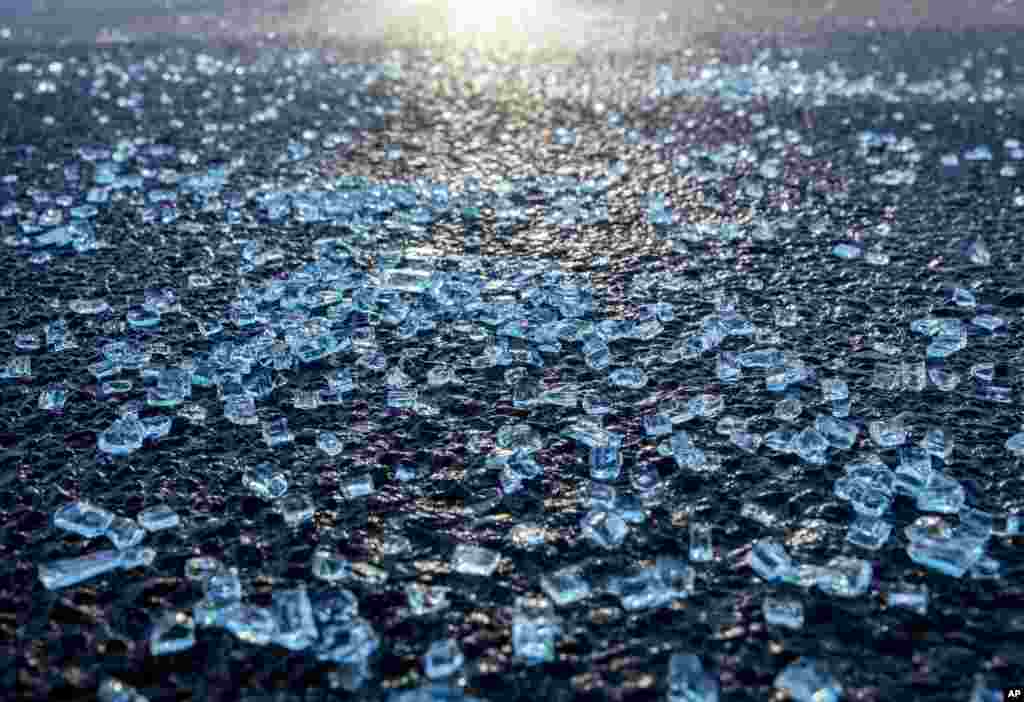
(158, 517)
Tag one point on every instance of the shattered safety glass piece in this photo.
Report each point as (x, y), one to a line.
(688, 681)
(83, 518)
(806, 681)
(71, 571)
(474, 560)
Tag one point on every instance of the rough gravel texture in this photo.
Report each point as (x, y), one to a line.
(471, 114)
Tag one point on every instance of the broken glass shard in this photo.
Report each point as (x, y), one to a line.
(426, 599)
(940, 494)
(633, 378)
(527, 535)
(705, 405)
(1015, 444)
(402, 399)
(172, 633)
(535, 628)
(201, 568)
(439, 375)
(443, 659)
(368, 574)
(729, 425)
(265, 482)
(676, 577)
(83, 519)
(306, 399)
(986, 568)
(357, 487)
(914, 598)
(951, 557)
(275, 432)
(684, 452)
(727, 367)
(53, 398)
(984, 692)
(158, 517)
(780, 440)
(18, 367)
(975, 523)
(328, 565)
(868, 532)
(596, 405)
(405, 473)
(657, 424)
(113, 690)
(606, 529)
(764, 359)
(249, 623)
(928, 528)
(914, 472)
(936, 444)
(605, 463)
(124, 533)
(407, 280)
(811, 446)
(474, 560)
(343, 638)
(329, 443)
(223, 587)
(838, 432)
(788, 613)
(770, 561)
(845, 577)
(834, 389)
(746, 441)
(136, 556)
(293, 613)
(27, 342)
(805, 681)
(207, 614)
(565, 586)
(590, 433)
(866, 497)
(887, 434)
(156, 427)
(688, 681)
(70, 571)
(701, 549)
(123, 437)
(519, 437)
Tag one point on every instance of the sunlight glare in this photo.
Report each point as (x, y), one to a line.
(482, 17)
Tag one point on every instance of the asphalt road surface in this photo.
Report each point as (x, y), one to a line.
(807, 179)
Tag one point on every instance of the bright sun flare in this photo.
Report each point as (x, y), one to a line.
(483, 17)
